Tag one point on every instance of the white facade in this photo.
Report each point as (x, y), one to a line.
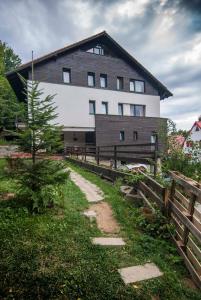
(73, 104)
(192, 144)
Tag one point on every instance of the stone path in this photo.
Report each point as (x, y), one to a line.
(108, 241)
(139, 273)
(91, 191)
(103, 214)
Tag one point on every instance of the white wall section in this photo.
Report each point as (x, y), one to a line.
(73, 103)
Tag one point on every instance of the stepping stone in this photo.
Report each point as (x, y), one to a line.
(104, 241)
(139, 273)
(90, 214)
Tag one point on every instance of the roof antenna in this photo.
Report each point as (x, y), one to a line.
(32, 67)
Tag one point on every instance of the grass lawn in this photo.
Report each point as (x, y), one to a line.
(50, 256)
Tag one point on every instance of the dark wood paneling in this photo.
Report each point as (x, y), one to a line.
(108, 128)
(80, 62)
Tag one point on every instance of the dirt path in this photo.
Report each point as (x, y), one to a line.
(102, 211)
(104, 218)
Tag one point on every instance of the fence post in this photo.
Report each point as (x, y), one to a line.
(85, 154)
(156, 156)
(190, 217)
(98, 155)
(115, 156)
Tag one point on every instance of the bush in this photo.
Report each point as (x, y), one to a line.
(179, 161)
(155, 224)
(41, 185)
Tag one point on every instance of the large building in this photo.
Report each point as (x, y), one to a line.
(103, 95)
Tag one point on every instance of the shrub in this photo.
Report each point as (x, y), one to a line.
(41, 184)
(155, 224)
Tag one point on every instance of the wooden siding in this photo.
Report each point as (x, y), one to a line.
(80, 62)
(109, 127)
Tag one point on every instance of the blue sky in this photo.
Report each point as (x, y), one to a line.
(164, 35)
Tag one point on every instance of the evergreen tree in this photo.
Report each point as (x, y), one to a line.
(41, 133)
(11, 60)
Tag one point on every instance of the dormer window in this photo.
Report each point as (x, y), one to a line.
(98, 49)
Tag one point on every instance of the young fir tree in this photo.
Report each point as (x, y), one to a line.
(40, 133)
(41, 181)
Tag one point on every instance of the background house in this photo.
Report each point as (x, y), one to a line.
(192, 144)
(103, 95)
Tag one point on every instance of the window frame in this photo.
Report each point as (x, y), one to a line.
(134, 110)
(122, 109)
(132, 81)
(66, 70)
(139, 80)
(94, 79)
(100, 48)
(106, 106)
(121, 135)
(121, 79)
(135, 135)
(94, 107)
(104, 76)
(134, 86)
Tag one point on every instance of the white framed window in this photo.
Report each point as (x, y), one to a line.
(120, 109)
(103, 80)
(66, 75)
(91, 79)
(139, 86)
(92, 107)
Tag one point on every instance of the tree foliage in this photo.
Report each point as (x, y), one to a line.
(11, 60)
(40, 133)
(10, 108)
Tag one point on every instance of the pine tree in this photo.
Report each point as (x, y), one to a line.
(40, 133)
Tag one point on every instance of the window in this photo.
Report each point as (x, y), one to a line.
(135, 135)
(98, 49)
(91, 79)
(92, 107)
(103, 80)
(120, 109)
(137, 110)
(105, 108)
(120, 83)
(121, 136)
(66, 75)
(132, 85)
(139, 86)
(153, 137)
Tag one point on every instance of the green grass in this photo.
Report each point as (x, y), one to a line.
(50, 256)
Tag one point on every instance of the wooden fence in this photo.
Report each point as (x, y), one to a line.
(179, 204)
(138, 153)
(182, 206)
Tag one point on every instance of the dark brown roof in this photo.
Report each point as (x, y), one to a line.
(165, 92)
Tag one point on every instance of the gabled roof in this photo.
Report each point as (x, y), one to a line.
(197, 124)
(164, 92)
